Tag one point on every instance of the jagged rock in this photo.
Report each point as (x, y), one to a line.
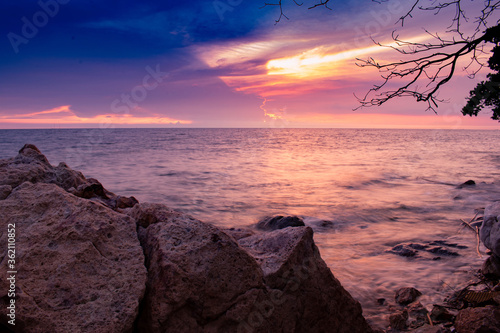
(417, 315)
(398, 320)
(80, 266)
(490, 229)
(5, 191)
(279, 222)
(407, 295)
(31, 165)
(478, 320)
(308, 297)
(440, 314)
(491, 267)
(199, 278)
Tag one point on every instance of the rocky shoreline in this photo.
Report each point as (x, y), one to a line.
(83, 259)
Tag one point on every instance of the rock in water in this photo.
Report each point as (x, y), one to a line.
(304, 294)
(80, 267)
(407, 295)
(490, 229)
(279, 222)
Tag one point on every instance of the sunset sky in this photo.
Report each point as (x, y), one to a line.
(208, 64)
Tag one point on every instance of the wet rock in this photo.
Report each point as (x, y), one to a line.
(439, 250)
(440, 314)
(427, 250)
(417, 315)
(5, 191)
(407, 295)
(469, 183)
(490, 229)
(478, 320)
(80, 266)
(398, 320)
(403, 250)
(279, 222)
(30, 165)
(491, 267)
(308, 297)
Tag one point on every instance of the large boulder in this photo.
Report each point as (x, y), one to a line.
(80, 267)
(490, 229)
(478, 320)
(199, 279)
(306, 297)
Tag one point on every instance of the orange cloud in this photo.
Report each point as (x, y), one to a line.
(64, 115)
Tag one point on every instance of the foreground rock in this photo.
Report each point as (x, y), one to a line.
(80, 266)
(200, 279)
(490, 229)
(479, 320)
(303, 294)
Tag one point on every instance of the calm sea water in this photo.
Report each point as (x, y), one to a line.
(377, 188)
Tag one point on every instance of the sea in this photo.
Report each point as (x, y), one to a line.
(363, 191)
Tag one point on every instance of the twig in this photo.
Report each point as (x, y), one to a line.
(476, 231)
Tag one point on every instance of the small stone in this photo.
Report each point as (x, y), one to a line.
(491, 267)
(468, 183)
(407, 295)
(381, 301)
(398, 320)
(280, 222)
(417, 314)
(403, 250)
(440, 314)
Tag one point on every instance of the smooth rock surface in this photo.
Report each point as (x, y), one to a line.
(80, 265)
(490, 229)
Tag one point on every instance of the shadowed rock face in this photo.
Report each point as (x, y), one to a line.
(490, 229)
(81, 267)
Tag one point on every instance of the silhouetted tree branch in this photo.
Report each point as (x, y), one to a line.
(429, 66)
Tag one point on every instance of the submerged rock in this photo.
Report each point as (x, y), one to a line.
(469, 183)
(426, 251)
(279, 222)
